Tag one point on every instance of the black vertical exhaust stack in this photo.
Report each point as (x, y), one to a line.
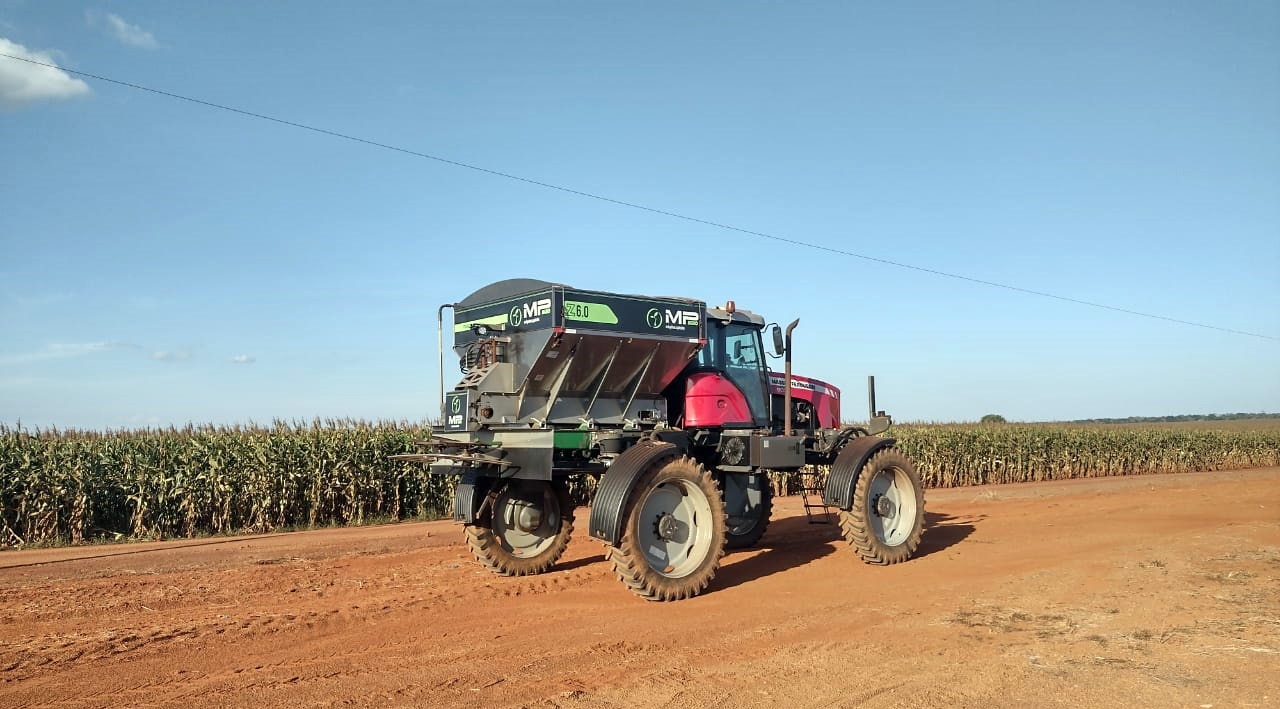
(877, 421)
(786, 386)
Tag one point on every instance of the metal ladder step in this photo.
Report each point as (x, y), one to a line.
(816, 509)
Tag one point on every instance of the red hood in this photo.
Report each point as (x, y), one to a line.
(824, 397)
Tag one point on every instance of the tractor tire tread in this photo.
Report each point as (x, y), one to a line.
(854, 524)
(628, 560)
(487, 549)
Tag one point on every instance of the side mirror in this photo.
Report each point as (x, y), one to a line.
(778, 345)
(737, 349)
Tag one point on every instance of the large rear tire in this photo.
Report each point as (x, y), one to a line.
(524, 529)
(674, 532)
(748, 504)
(886, 521)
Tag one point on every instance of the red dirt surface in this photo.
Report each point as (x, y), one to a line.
(1153, 591)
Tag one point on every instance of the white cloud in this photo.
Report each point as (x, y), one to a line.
(171, 355)
(244, 359)
(60, 351)
(125, 33)
(23, 83)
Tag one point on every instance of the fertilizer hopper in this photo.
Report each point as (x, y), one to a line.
(538, 355)
(549, 372)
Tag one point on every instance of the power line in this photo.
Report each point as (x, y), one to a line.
(653, 210)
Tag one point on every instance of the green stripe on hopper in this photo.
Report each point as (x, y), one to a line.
(589, 312)
(492, 320)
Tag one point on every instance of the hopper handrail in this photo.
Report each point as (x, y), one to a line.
(440, 351)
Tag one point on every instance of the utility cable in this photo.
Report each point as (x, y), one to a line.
(645, 208)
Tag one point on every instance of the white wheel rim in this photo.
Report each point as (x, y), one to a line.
(891, 506)
(674, 528)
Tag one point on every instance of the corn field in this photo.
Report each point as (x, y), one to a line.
(73, 486)
(959, 455)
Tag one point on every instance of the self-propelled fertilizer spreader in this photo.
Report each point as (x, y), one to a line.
(670, 406)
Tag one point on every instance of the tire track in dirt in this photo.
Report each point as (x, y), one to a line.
(1020, 597)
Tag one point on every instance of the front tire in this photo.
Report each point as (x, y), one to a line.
(525, 528)
(674, 532)
(886, 521)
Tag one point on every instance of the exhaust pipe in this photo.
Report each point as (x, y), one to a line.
(877, 421)
(440, 352)
(871, 399)
(786, 386)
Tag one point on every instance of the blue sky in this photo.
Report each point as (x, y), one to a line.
(164, 262)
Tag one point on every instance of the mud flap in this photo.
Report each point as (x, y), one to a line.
(844, 471)
(609, 506)
(468, 496)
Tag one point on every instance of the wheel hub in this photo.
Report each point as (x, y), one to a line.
(528, 518)
(885, 507)
(668, 525)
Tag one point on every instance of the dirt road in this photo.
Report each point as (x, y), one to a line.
(1155, 592)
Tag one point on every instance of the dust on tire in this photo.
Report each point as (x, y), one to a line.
(699, 511)
(885, 522)
(489, 549)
